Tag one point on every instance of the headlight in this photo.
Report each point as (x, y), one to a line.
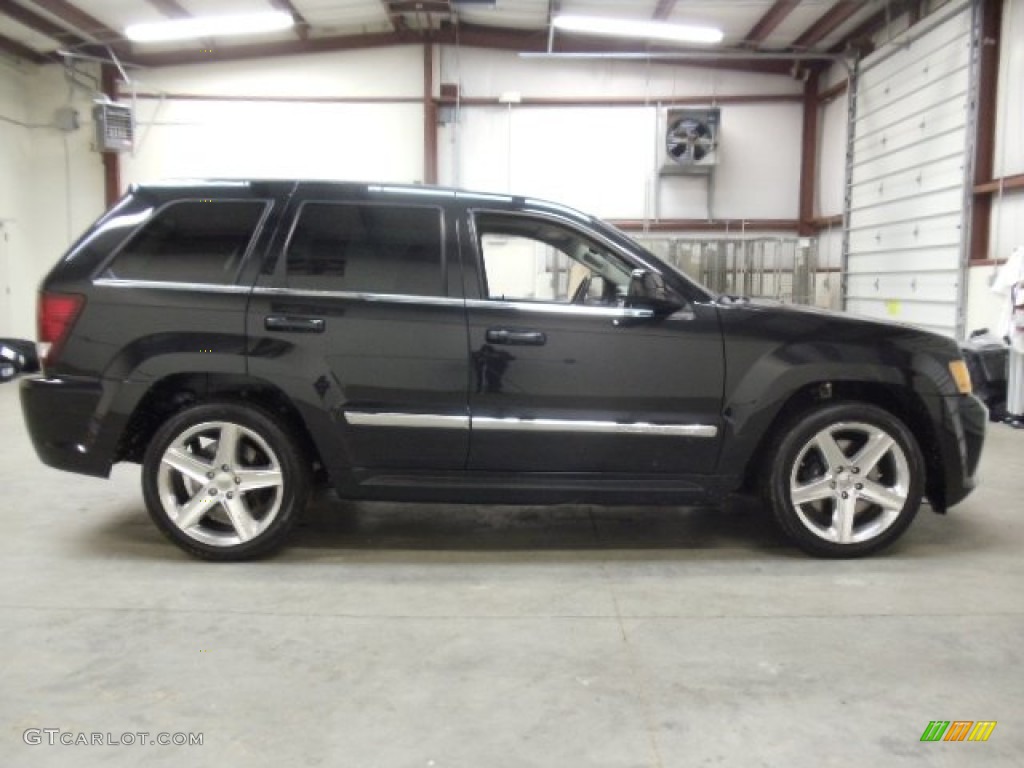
(962, 376)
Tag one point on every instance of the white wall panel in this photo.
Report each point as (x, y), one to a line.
(561, 153)
(605, 159)
(830, 248)
(930, 113)
(758, 176)
(891, 261)
(909, 207)
(15, 152)
(380, 142)
(382, 72)
(831, 157)
(937, 55)
(1009, 147)
(875, 164)
(51, 183)
(934, 175)
(906, 218)
(585, 157)
(924, 235)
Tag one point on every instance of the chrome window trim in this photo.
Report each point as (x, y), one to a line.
(415, 420)
(559, 309)
(439, 301)
(389, 298)
(171, 285)
(513, 424)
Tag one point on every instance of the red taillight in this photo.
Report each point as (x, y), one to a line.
(57, 315)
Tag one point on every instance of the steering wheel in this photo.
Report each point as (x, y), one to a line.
(579, 296)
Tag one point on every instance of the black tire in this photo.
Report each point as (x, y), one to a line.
(805, 479)
(233, 486)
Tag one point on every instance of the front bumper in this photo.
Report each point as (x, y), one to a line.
(62, 420)
(962, 420)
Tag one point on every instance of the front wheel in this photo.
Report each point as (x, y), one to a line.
(845, 480)
(224, 481)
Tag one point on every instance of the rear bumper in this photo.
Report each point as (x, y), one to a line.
(964, 419)
(61, 416)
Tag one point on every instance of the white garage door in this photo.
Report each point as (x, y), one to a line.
(909, 164)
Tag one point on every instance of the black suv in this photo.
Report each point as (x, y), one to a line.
(241, 340)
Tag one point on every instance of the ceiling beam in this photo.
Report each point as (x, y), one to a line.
(769, 21)
(172, 9)
(276, 48)
(536, 41)
(397, 22)
(79, 20)
(827, 23)
(21, 51)
(420, 6)
(468, 35)
(40, 24)
(301, 23)
(664, 9)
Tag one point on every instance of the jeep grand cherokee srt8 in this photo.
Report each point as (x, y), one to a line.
(239, 339)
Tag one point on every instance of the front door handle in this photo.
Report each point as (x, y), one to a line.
(288, 324)
(510, 336)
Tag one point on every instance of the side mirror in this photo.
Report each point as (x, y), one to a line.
(647, 290)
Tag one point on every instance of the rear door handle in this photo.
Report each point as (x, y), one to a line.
(287, 324)
(510, 336)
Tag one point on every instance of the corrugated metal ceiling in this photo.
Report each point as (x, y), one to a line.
(36, 29)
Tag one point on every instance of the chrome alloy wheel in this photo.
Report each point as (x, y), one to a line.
(850, 482)
(220, 483)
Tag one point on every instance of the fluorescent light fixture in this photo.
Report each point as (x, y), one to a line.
(209, 26)
(657, 30)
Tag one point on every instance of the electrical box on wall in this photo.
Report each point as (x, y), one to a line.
(115, 127)
(691, 140)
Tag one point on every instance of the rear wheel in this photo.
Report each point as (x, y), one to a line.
(224, 481)
(845, 480)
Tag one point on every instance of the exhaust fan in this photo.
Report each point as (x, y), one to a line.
(691, 138)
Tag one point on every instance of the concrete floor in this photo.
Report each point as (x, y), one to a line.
(568, 637)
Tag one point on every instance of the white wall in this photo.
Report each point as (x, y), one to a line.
(604, 159)
(51, 185)
(15, 151)
(832, 130)
(304, 119)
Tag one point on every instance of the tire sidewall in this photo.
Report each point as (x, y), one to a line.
(794, 439)
(293, 469)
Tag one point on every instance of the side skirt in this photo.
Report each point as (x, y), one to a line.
(536, 487)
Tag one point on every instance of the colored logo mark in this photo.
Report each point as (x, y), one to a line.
(958, 730)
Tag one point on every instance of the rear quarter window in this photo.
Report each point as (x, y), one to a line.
(194, 241)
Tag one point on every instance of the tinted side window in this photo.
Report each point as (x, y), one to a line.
(366, 249)
(190, 241)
